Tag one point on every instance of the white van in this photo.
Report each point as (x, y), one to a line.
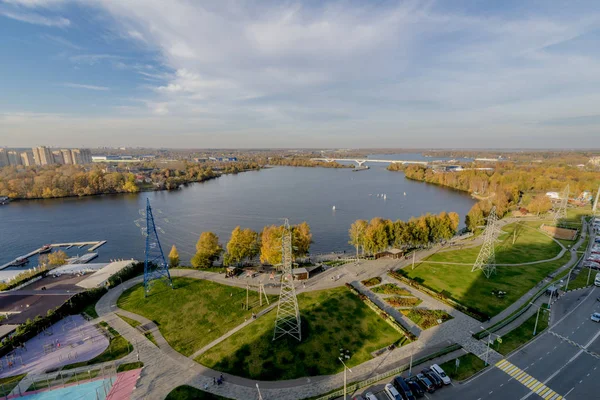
(438, 370)
(597, 279)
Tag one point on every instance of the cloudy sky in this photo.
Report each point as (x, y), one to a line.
(191, 73)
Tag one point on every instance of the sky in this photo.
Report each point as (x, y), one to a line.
(235, 74)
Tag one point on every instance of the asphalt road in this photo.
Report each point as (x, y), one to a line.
(565, 358)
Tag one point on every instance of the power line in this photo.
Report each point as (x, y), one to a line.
(486, 260)
(155, 265)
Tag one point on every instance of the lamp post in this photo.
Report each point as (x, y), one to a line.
(488, 345)
(259, 395)
(345, 368)
(536, 318)
(411, 359)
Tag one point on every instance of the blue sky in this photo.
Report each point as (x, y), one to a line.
(349, 73)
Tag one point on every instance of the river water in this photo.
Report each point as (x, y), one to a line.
(250, 199)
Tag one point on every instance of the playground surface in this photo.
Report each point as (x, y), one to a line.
(70, 340)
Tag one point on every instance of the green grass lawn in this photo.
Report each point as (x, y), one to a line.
(332, 319)
(150, 337)
(134, 323)
(522, 334)
(425, 318)
(581, 280)
(130, 366)
(195, 313)
(186, 392)
(469, 365)
(118, 348)
(473, 289)
(9, 383)
(530, 245)
(390, 288)
(90, 310)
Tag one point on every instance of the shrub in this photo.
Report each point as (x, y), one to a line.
(371, 281)
(403, 301)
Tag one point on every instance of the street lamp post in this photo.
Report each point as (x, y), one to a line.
(345, 368)
(536, 318)
(259, 395)
(411, 359)
(488, 345)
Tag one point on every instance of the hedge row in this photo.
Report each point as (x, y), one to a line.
(386, 317)
(478, 315)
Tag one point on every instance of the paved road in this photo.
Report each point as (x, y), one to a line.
(564, 359)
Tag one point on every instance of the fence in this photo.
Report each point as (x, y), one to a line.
(393, 372)
(63, 379)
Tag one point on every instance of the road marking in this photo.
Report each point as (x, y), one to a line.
(528, 381)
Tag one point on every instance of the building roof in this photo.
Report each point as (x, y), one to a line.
(301, 270)
(395, 251)
(7, 330)
(100, 277)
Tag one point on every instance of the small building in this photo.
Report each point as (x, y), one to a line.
(300, 274)
(392, 253)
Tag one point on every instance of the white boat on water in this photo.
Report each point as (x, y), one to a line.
(333, 208)
(405, 193)
(385, 196)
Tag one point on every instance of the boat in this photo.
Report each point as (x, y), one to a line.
(333, 208)
(4, 200)
(19, 261)
(45, 249)
(361, 168)
(385, 196)
(405, 193)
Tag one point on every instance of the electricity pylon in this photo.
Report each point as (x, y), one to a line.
(288, 313)
(155, 265)
(561, 212)
(595, 208)
(486, 260)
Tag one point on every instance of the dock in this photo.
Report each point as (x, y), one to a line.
(94, 245)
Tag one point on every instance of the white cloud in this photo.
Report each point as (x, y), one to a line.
(36, 19)
(83, 86)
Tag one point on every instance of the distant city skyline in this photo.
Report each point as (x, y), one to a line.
(332, 74)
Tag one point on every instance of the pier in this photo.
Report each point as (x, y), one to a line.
(94, 245)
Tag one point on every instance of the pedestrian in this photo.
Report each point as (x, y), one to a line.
(214, 380)
(206, 386)
(221, 377)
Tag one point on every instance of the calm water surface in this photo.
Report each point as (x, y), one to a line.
(251, 199)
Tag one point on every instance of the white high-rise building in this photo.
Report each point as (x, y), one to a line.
(27, 159)
(43, 155)
(3, 158)
(14, 158)
(67, 156)
(81, 156)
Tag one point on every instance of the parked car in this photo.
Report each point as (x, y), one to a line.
(440, 372)
(595, 317)
(436, 380)
(370, 396)
(391, 392)
(415, 387)
(403, 388)
(425, 383)
(358, 397)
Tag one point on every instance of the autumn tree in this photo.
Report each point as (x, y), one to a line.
(173, 257)
(357, 234)
(243, 244)
(270, 248)
(208, 250)
(540, 204)
(301, 239)
(475, 217)
(57, 258)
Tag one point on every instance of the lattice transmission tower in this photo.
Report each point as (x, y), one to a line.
(486, 260)
(595, 208)
(155, 265)
(561, 211)
(288, 313)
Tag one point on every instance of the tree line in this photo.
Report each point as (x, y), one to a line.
(245, 245)
(380, 234)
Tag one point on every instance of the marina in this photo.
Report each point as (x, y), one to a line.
(24, 259)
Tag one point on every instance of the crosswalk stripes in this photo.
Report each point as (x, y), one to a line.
(528, 381)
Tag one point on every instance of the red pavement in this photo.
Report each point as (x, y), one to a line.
(124, 385)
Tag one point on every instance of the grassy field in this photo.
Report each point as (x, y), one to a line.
(134, 323)
(195, 313)
(150, 337)
(130, 366)
(390, 288)
(469, 365)
(90, 310)
(118, 348)
(581, 280)
(529, 245)
(523, 333)
(473, 289)
(331, 320)
(186, 392)
(8, 384)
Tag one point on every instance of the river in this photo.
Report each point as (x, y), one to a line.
(250, 199)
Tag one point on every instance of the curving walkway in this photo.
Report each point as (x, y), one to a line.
(165, 368)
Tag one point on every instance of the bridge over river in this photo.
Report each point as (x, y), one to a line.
(360, 161)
